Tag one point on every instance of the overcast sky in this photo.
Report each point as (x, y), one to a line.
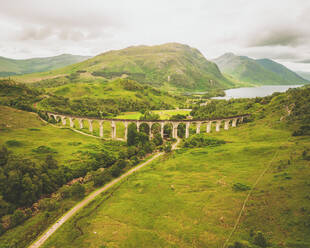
(276, 29)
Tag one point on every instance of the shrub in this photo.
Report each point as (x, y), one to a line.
(2, 230)
(34, 129)
(121, 163)
(101, 177)
(240, 244)
(158, 140)
(43, 149)
(48, 204)
(241, 187)
(201, 140)
(305, 155)
(14, 143)
(65, 192)
(260, 240)
(134, 160)
(17, 218)
(303, 130)
(115, 170)
(78, 190)
(168, 147)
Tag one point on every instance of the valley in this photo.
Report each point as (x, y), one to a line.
(129, 149)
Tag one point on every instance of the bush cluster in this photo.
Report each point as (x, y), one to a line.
(202, 140)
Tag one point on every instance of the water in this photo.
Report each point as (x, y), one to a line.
(251, 92)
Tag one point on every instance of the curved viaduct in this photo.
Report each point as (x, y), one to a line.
(234, 120)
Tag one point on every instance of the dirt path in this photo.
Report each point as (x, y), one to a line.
(91, 197)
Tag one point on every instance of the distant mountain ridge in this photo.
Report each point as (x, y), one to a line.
(9, 67)
(257, 71)
(304, 74)
(171, 64)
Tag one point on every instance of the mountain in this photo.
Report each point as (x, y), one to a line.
(257, 71)
(172, 64)
(304, 74)
(169, 66)
(10, 67)
(281, 70)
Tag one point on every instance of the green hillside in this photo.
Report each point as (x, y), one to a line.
(281, 70)
(169, 66)
(192, 197)
(304, 74)
(260, 71)
(9, 67)
(96, 99)
(114, 96)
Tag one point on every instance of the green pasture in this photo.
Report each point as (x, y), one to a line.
(186, 199)
(164, 114)
(23, 132)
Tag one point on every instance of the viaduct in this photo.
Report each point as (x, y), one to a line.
(233, 120)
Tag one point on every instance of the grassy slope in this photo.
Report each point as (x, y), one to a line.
(186, 199)
(109, 90)
(11, 66)
(259, 72)
(31, 132)
(71, 148)
(186, 66)
(304, 74)
(163, 114)
(279, 69)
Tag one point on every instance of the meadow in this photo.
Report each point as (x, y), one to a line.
(27, 136)
(192, 197)
(163, 114)
(22, 132)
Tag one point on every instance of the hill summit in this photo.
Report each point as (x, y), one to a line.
(170, 65)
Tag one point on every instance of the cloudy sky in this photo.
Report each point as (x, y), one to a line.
(276, 29)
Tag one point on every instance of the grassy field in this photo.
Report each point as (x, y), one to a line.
(187, 198)
(30, 133)
(22, 132)
(164, 114)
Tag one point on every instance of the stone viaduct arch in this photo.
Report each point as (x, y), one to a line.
(233, 120)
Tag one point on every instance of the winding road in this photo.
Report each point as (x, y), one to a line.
(89, 198)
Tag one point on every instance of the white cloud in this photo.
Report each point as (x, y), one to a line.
(275, 29)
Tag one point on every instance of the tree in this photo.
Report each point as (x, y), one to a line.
(181, 130)
(78, 190)
(148, 115)
(50, 162)
(2, 230)
(4, 154)
(115, 170)
(168, 131)
(17, 218)
(132, 134)
(142, 138)
(4, 207)
(158, 140)
(65, 191)
(168, 147)
(121, 163)
(260, 240)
